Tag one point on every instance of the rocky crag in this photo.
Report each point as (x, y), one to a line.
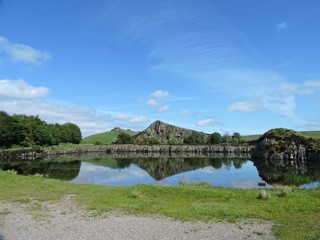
(165, 133)
(282, 145)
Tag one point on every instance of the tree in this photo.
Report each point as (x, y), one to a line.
(6, 135)
(215, 138)
(73, 133)
(27, 131)
(124, 138)
(194, 138)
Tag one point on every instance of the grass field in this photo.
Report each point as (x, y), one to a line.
(312, 134)
(106, 137)
(296, 216)
(102, 138)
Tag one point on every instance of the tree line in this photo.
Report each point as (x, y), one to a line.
(193, 138)
(27, 131)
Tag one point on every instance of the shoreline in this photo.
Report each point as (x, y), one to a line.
(123, 149)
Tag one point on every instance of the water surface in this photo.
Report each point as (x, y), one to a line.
(168, 171)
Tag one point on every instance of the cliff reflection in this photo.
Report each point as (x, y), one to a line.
(160, 168)
(288, 172)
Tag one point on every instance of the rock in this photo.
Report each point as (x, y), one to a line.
(165, 133)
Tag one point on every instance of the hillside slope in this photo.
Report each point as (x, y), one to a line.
(106, 137)
(165, 133)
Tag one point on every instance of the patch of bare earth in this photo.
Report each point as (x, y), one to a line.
(63, 220)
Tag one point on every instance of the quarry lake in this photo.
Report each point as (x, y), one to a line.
(225, 175)
(218, 172)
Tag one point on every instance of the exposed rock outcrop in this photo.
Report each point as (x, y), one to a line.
(283, 144)
(165, 133)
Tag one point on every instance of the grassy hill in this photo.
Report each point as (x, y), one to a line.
(312, 134)
(106, 137)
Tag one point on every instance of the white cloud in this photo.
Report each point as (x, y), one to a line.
(244, 107)
(281, 103)
(126, 118)
(207, 122)
(139, 119)
(18, 97)
(289, 86)
(308, 87)
(19, 89)
(163, 108)
(160, 94)
(186, 113)
(55, 113)
(23, 53)
(281, 26)
(312, 83)
(160, 107)
(86, 118)
(153, 103)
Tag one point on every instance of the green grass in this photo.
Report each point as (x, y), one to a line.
(296, 216)
(251, 137)
(312, 134)
(102, 138)
(106, 137)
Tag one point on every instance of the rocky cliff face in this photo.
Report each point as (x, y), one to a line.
(164, 133)
(283, 144)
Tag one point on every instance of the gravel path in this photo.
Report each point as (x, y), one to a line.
(64, 221)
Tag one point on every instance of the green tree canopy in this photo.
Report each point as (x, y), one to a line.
(31, 130)
(215, 138)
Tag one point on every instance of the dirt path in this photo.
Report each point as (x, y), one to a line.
(65, 221)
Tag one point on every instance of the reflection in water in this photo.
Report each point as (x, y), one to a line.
(64, 170)
(223, 172)
(237, 173)
(305, 173)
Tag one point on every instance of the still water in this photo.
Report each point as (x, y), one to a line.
(218, 172)
(226, 176)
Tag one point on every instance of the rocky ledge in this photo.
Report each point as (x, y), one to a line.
(283, 144)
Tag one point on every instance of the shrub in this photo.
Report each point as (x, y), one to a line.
(263, 195)
(282, 190)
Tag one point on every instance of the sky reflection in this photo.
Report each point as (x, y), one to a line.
(227, 176)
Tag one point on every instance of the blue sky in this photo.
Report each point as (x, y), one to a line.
(214, 66)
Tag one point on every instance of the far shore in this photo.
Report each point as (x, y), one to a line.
(144, 150)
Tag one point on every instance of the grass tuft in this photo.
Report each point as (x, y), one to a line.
(282, 190)
(263, 195)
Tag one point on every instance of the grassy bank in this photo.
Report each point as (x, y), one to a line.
(309, 134)
(297, 215)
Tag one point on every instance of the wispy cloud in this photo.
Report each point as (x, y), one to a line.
(313, 84)
(197, 42)
(18, 52)
(160, 94)
(282, 26)
(207, 122)
(308, 87)
(19, 89)
(244, 107)
(185, 113)
(158, 106)
(128, 118)
(186, 38)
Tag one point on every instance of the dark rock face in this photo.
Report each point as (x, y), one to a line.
(165, 133)
(284, 144)
(268, 148)
(283, 154)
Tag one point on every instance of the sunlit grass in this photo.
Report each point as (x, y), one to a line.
(296, 215)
